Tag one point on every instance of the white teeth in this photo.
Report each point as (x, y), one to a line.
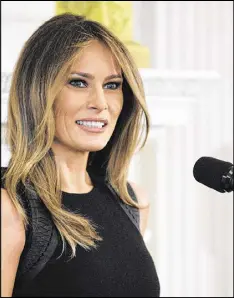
(90, 123)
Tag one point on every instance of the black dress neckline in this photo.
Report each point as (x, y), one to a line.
(84, 194)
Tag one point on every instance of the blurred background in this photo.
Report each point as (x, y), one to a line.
(184, 51)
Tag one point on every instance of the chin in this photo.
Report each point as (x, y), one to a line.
(92, 147)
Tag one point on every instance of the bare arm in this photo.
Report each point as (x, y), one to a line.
(143, 199)
(12, 243)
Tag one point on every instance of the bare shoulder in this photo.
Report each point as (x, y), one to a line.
(141, 194)
(12, 243)
(12, 223)
(143, 199)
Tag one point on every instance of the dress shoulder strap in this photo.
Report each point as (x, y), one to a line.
(131, 211)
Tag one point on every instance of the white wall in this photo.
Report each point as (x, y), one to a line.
(198, 35)
(192, 35)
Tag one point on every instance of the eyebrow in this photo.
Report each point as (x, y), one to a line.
(90, 76)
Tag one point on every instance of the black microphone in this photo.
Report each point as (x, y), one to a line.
(214, 173)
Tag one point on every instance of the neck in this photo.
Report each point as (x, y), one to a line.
(72, 168)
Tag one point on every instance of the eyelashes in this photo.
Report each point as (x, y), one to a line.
(83, 84)
(114, 85)
(78, 83)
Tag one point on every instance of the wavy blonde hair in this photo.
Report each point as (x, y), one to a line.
(39, 75)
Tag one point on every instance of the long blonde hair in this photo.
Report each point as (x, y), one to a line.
(41, 71)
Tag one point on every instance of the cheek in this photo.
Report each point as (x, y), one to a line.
(64, 113)
(116, 107)
(66, 103)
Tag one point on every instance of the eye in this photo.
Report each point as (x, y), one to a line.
(113, 85)
(78, 83)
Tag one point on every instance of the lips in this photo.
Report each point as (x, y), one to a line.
(92, 129)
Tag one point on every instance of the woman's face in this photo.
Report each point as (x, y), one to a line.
(93, 91)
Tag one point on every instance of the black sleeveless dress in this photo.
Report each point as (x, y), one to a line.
(121, 266)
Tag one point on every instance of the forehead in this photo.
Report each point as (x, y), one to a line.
(96, 57)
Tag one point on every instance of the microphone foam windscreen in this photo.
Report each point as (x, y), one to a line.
(209, 171)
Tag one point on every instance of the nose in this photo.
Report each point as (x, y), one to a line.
(98, 99)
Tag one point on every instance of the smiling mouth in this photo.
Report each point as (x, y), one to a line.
(90, 128)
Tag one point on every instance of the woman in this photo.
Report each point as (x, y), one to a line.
(75, 113)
